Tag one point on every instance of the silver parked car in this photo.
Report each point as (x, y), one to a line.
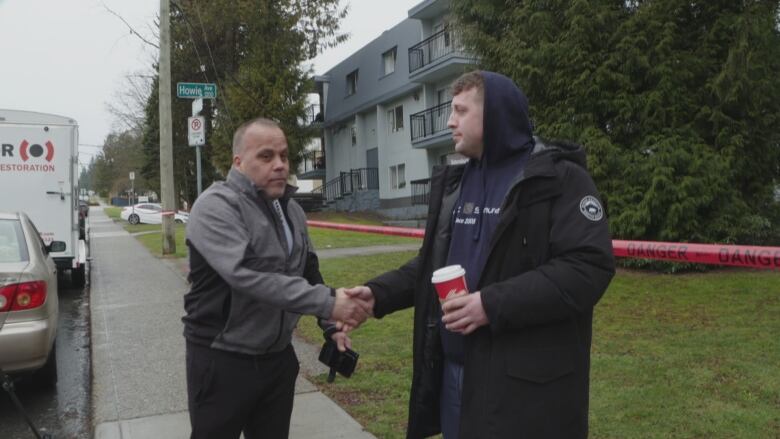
(29, 307)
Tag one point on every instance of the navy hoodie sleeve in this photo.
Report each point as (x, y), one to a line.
(574, 278)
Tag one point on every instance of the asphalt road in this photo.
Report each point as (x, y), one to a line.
(63, 412)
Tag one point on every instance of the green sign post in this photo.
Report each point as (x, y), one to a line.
(196, 90)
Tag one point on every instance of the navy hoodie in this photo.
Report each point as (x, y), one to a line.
(508, 142)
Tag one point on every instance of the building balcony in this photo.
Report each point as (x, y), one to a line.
(429, 127)
(439, 56)
(312, 166)
(347, 183)
(421, 191)
(313, 117)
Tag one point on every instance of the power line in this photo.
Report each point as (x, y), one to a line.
(192, 39)
(213, 64)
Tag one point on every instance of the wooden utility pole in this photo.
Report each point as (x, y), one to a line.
(166, 133)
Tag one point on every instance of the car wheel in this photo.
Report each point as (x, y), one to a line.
(78, 276)
(133, 219)
(178, 221)
(48, 373)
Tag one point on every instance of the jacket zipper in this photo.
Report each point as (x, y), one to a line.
(288, 253)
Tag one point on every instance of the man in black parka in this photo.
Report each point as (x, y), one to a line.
(511, 359)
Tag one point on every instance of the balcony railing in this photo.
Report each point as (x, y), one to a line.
(312, 114)
(430, 121)
(348, 182)
(421, 191)
(435, 47)
(312, 161)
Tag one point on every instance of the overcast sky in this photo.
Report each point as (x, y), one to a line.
(71, 57)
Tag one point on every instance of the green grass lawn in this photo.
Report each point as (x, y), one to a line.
(329, 238)
(673, 356)
(322, 238)
(153, 241)
(378, 393)
(141, 228)
(113, 212)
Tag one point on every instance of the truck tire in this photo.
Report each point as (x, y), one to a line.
(78, 276)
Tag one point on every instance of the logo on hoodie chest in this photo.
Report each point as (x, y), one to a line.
(467, 214)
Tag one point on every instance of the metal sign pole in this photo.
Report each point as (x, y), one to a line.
(197, 160)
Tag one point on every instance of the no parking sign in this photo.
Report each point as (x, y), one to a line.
(196, 130)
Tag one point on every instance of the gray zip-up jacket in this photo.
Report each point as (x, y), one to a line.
(248, 290)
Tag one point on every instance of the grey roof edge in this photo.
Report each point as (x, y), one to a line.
(35, 117)
(408, 88)
(414, 10)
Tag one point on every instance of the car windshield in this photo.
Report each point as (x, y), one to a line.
(12, 245)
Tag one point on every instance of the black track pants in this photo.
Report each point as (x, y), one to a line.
(229, 393)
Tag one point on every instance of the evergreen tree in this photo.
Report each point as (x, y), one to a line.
(676, 101)
(253, 50)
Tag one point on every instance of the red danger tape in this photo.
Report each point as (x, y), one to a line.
(711, 254)
(168, 212)
(396, 231)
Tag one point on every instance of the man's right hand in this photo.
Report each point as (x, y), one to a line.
(351, 310)
(366, 296)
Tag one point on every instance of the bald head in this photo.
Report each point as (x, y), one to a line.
(238, 136)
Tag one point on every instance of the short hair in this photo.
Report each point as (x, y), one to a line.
(238, 136)
(467, 81)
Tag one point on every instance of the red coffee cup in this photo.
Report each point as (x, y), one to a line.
(449, 279)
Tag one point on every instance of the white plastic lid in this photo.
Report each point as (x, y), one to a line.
(447, 273)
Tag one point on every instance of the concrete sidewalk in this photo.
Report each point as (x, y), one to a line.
(139, 387)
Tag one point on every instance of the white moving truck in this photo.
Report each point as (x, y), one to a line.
(39, 176)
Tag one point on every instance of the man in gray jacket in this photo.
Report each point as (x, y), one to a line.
(253, 272)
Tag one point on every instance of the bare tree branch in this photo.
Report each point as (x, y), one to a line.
(129, 102)
(132, 31)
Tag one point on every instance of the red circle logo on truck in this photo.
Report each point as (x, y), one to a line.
(26, 150)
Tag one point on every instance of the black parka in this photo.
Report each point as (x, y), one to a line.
(526, 374)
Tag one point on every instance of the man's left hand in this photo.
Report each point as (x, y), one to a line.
(342, 341)
(464, 313)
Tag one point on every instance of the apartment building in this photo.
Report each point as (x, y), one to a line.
(384, 114)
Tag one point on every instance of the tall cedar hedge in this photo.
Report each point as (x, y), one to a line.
(677, 103)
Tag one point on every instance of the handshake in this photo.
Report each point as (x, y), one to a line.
(353, 307)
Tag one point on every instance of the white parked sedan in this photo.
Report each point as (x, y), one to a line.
(28, 299)
(149, 213)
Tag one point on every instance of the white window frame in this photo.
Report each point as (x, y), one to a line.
(398, 176)
(352, 82)
(388, 61)
(393, 177)
(395, 118)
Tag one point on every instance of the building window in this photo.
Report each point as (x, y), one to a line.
(353, 130)
(352, 80)
(395, 118)
(398, 176)
(388, 61)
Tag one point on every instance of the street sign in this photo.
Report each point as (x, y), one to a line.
(196, 130)
(195, 90)
(197, 106)
(132, 176)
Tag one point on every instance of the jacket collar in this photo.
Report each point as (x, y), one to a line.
(241, 183)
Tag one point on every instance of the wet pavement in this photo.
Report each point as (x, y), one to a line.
(63, 412)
